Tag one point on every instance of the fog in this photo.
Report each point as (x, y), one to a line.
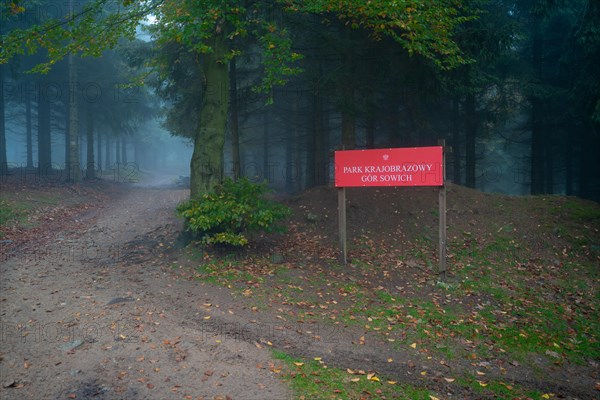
(512, 123)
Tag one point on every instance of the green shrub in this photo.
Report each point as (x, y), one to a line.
(233, 209)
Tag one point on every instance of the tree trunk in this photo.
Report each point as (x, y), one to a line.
(117, 151)
(235, 132)
(370, 121)
(318, 140)
(206, 166)
(266, 166)
(549, 166)
(590, 163)
(393, 121)
(67, 134)
(44, 148)
(537, 128)
(99, 150)
(107, 148)
(28, 132)
(123, 150)
(348, 108)
(292, 167)
(470, 138)
(73, 168)
(456, 143)
(90, 171)
(3, 158)
(569, 165)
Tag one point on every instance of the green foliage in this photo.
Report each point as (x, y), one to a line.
(228, 213)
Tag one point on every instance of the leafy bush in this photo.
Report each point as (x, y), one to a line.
(234, 208)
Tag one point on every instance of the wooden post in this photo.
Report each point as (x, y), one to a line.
(342, 223)
(442, 211)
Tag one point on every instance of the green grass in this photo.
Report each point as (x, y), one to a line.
(501, 390)
(538, 303)
(316, 380)
(7, 212)
(224, 273)
(12, 211)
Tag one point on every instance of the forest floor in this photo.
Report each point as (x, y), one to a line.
(102, 298)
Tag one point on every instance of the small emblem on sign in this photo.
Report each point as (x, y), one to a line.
(386, 156)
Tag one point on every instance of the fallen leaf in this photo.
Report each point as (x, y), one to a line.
(449, 380)
(354, 379)
(299, 364)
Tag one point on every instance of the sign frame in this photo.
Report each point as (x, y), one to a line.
(394, 167)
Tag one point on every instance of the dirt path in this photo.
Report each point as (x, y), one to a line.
(83, 316)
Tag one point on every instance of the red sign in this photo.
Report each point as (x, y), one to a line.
(411, 166)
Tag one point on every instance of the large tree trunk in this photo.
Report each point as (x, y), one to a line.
(44, 148)
(235, 129)
(470, 138)
(90, 172)
(206, 166)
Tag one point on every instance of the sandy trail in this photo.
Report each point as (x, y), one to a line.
(81, 318)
